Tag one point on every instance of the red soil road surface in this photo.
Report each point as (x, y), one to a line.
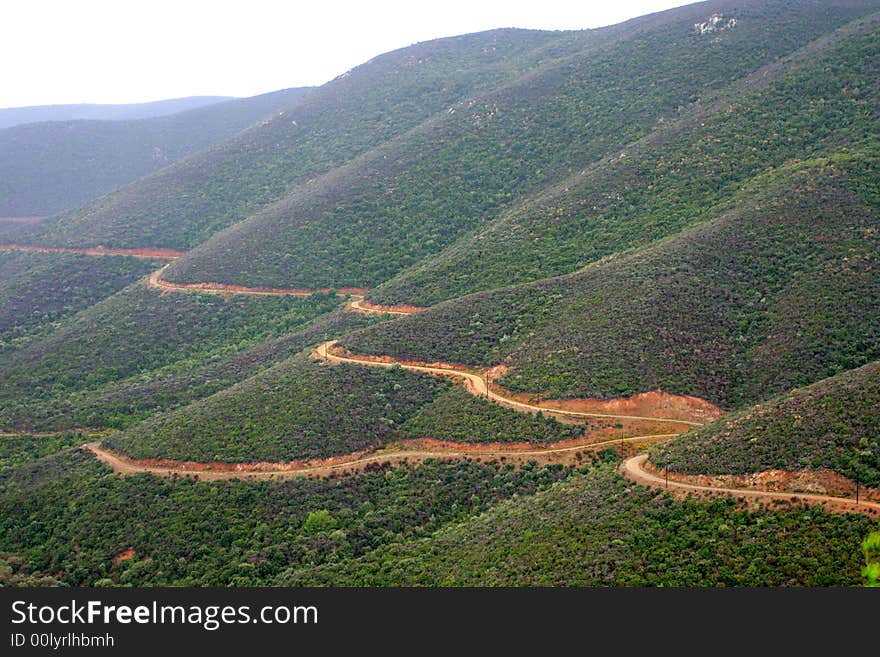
(147, 254)
(634, 469)
(223, 289)
(409, 451)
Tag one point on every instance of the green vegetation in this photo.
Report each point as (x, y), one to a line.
(230, 533)
(597, 529)
(871, 549)
(139, 330)
(39, 289)
(53, 166)
(17, 450)
(458, 416)
(419, 193)
(297, 409)
(767, 296)
(833, 424)
(824, 98)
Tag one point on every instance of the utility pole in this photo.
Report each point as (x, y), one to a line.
(666, 470)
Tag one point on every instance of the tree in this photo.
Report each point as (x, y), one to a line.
(871, 548)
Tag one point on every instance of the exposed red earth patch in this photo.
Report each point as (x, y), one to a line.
(363, 305)
(819, 482)
(147, 254)
(125, 555)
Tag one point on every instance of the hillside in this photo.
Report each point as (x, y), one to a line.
(136, 332)
(299, 409)
(727, 311)
(39, 289)
(833, 424)
(182, 205)
(444, 181)
(596, 529)
(53, 166)
(425, 324)
(798, 107)
(12, 116)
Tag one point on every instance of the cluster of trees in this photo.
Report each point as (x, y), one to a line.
(597, 529)
(67, 516)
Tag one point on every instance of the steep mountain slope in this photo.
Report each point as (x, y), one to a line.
(13, 116)
(120, 402)
(233, 533)
(822, 98)
(182, 205)
(419, 193)
(769, 295)
(37, 289)
(596, 529)
(138, 331)
(833, 424)
(49, 167)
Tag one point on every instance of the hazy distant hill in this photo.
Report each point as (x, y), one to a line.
(100, 112)
(51, 166)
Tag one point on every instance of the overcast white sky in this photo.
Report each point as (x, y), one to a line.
(126, 51)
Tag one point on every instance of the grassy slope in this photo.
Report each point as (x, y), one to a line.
(422, 191)
(727, 311)
(138, 331)
(37, 289)
(49, 167)
(832, 424)
(120, 403)
(232, 533)
(182, 205)
(824, 97)
(297, 409)
(302, 409)
(597, 529)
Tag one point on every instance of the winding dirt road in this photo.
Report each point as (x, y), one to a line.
(476, 384)
(633, 469)
(356, 462)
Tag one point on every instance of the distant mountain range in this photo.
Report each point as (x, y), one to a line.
(53, 165)
(12, 116)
